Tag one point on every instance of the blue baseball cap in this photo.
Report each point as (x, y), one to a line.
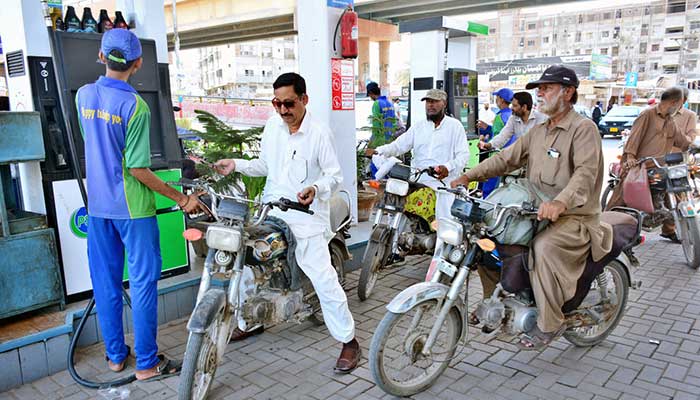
(122, 40)
(505, 93)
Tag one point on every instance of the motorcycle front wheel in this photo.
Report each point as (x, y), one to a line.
(616, 286)
(395, 353)
(200, 363)
(372, 261)
(689, 235)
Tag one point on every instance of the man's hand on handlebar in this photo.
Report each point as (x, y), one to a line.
(225, 166)
(484, 145)
(370, 152)
(307, 195)
(462, 180)
(551, 210)
(440, 172)
(630, 163)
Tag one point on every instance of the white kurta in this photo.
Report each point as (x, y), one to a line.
(291, 163)
(516, 126)
(445, 145)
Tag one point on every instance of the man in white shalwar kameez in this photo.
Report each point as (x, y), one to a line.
(298, 157)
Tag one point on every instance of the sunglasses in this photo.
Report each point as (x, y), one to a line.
(289, 104)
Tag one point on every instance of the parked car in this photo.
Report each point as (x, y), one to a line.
(583, 111)
(618, 119)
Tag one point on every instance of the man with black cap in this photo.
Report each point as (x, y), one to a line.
(115, 122)
(439, 142)
(565, 164)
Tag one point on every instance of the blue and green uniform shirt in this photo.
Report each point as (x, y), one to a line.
(115, 123)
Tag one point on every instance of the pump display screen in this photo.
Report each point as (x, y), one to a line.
(464, 83)
(465, 110)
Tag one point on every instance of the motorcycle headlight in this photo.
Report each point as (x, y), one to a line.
(397, 187)
(450, 231)
(223, 238)
(677, 172)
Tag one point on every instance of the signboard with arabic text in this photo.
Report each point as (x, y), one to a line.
(517, 71)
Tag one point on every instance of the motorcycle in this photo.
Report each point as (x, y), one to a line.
(421, 330)
(402, 224)
(249, 251)
(674, 192)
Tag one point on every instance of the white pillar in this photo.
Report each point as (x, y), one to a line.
(315, 23)
(427, 61)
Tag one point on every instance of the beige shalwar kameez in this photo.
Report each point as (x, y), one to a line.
(565, 161)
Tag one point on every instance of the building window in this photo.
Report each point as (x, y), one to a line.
(642, 48)
(578, 37)
(645, 29)
(676, 7)
(647, 10)
(604, 50)
(577, 52)
(692, 44)
(615, 51)
(655, 66)
(545, 39)
(607, 15)
(694, 25)
(492, 31)
(672, 49)
(530, 43)
(531, 26)
(522, 25)
(692, 64)
(655, 47)
(591, 18)
(671, 69)
(580, 18)
(604, 34)
(642, 69)
(678, 29)
(618, 13)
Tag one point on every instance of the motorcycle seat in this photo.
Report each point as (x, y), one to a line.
(515, 277)
(339, 210)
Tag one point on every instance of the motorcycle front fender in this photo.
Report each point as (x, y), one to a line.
(206, 310)
(419, 293)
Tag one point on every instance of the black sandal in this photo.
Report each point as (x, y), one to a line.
(121, 365)
(165, 369)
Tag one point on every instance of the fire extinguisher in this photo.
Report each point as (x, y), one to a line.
(348, 33)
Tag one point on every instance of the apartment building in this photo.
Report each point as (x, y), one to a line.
(246, 70)
(658, 38)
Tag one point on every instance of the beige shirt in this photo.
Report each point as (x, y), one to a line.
(653, 136)
(565, 162)
(685, 121)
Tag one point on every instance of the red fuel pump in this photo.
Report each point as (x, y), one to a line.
(348, 33)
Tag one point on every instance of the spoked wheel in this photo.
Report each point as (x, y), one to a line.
(200, 363)
(608, 299)
(396, 357)
(688, 232)
(372, 261)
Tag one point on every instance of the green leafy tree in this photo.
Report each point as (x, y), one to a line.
(222, 141)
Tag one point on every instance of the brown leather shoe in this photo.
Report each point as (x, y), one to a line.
(349, 357)
(238, 335)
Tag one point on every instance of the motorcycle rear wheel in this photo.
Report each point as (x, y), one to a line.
(690, 239)
(384, 358)
(606, 197)
(592, 335)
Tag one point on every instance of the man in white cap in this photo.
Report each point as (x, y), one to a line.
(439, 142)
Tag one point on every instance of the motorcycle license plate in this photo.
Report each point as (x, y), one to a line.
(613, 129)
(446, 268)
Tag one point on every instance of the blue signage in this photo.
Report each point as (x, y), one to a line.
(340, 3)
(631, 79)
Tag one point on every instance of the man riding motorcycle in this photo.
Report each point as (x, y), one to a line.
(299, 160)
(439, 142)
(565, 163)
(654, 134)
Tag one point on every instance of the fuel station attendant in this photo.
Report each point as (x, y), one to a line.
(115, 123)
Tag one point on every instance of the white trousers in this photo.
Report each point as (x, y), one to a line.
(314, 259)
